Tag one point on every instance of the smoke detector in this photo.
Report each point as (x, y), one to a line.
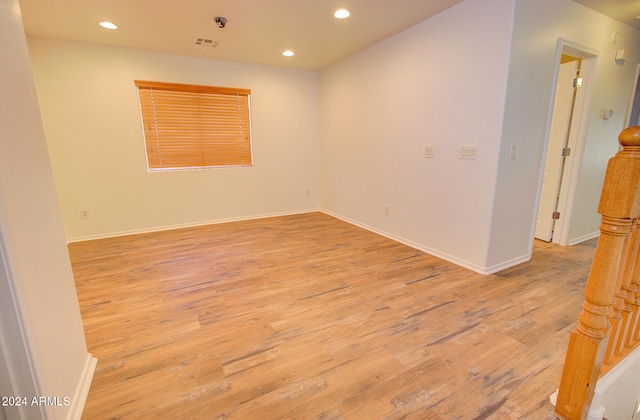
(221, 22)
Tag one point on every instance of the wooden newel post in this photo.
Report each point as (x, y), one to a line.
(619, 205)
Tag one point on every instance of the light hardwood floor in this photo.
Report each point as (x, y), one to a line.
(306, 316)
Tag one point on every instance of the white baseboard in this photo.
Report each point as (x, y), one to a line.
(420, 247)
(506, 264)
(82, 391)
(184, 225)
(430, 251)
(575, 241)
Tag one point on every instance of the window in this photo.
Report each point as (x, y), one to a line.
(190, 126)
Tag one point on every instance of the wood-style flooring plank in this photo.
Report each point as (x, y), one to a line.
(306, 316)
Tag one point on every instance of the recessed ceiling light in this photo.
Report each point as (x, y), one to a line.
(108, 25)
(342, 14)
(288, 53)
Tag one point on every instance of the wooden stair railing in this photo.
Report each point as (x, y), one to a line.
(608, 326)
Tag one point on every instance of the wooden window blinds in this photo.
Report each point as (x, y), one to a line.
(191, 126)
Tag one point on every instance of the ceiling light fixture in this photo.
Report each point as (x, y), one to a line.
(108, 25)
(288, 53)
(342, 14)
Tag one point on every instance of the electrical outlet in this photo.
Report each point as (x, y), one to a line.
(386, 210)
(429, 151)
(84, 214)
(308, 193)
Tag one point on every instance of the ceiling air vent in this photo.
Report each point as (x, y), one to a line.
(206, 42)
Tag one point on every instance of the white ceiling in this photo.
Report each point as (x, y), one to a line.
(257, 31)
(624, 11)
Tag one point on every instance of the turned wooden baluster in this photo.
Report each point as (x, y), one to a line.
(618, 316)
(623, 299)
(629, 284)
(634, 328)
(619, 204)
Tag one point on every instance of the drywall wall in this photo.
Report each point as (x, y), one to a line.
(354, 136)
(18, 370)
(48, 345)
(92, 121)
(440, 83)
(617, 394)
(443, 83)
(537, 26)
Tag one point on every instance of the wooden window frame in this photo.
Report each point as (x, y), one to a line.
(195, 127)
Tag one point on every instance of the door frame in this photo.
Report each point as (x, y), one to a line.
(22, 372)
(577, 135)
(634, 100)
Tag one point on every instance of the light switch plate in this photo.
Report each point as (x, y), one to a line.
(468, 152)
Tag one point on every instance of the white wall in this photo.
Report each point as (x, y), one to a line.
(41, 335)
(537, 26)
(360, 127)
(618, 391)
(91, 117)
(441, 83)
(480, 73)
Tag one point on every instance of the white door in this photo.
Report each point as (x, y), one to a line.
(562, 110)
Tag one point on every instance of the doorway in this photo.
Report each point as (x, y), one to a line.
(565, 142)
(567, 84)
